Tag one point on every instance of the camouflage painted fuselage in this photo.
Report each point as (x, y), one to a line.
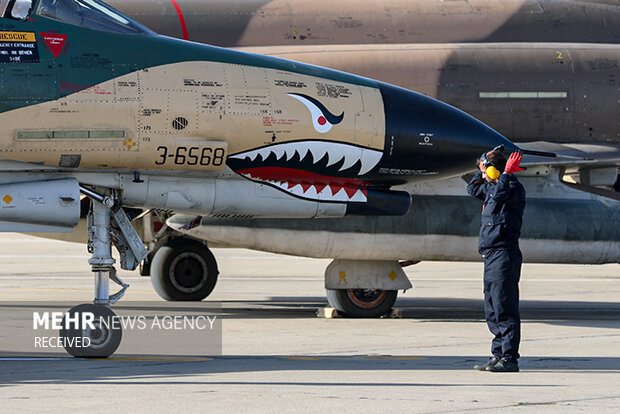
(79, 99)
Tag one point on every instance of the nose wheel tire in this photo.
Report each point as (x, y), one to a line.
(362, 303)
(184, 271)
(98, 339)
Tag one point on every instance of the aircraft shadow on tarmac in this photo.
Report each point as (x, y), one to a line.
(572, 313)
(569, 313)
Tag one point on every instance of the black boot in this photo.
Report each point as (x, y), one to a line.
(492, 361)
(505, 365)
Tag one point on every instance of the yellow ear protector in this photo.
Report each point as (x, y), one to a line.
(492, 171)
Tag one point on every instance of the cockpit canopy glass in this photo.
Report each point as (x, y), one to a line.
(92, 14)
(15, 9)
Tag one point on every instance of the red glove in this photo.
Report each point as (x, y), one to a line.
(512, 165)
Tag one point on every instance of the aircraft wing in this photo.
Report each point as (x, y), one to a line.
(572, 155)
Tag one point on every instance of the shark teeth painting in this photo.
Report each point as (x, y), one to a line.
(317, 170)
(336, 152)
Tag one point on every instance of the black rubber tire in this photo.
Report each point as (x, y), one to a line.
(184, 270)
(362, 303)
(104, 340)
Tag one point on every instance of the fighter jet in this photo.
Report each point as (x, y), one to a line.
(543, 94)
(94, 103)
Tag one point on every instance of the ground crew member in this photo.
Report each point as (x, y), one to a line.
(502, 213)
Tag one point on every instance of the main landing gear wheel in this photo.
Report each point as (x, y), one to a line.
(184, 270)
(98, 339)
(362, 303)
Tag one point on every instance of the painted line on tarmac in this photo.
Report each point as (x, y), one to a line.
(38, 256)
(365, 357)
(261, 257)
(393, 358)
(35, 358)
(414, 279)
(86, 255)
(305, 358)
(73, 290)
(12, 239)
(523, 279)
(75, 256)
(85, 277)
(113, 359)
(147, 358)
(278, 279)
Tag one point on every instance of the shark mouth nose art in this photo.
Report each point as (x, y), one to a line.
(316, 170)
(308, 185)
(322, 119)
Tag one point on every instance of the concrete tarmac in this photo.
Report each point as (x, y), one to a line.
(277, 356)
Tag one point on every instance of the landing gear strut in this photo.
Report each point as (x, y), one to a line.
(89, 329)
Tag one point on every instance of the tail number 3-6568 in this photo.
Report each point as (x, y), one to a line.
(204, 156)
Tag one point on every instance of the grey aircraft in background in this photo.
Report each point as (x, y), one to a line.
(245, 23)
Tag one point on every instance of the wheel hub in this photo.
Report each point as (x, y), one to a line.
(99, 336)
(188, 272)
(366, 298)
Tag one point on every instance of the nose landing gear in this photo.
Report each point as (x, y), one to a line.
(98, 339)
(91, 330)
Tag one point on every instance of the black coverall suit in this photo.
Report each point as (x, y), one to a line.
(502, 215)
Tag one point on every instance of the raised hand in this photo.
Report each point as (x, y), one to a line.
(512, 165)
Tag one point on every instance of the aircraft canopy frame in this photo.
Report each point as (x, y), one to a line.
(90, 14)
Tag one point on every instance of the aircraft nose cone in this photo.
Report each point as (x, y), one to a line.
(426, 138)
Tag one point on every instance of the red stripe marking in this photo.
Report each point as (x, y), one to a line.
(294, 176)
(181, 19)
